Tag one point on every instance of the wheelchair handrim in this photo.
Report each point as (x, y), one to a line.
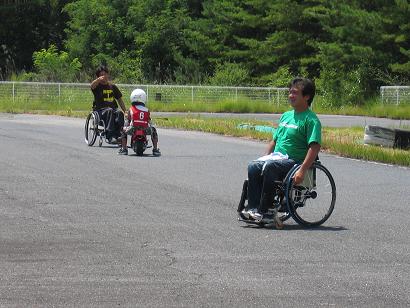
(293, 209)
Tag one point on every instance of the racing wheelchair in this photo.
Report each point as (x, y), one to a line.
(309, 203)
(95, 128)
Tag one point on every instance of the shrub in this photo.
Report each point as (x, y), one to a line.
(51, 65)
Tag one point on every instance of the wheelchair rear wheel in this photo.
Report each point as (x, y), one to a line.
(312, 202)
(91, 128)
(244, 196)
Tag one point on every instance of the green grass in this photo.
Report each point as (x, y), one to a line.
(240, 106)
(348, 142)
(72, 101)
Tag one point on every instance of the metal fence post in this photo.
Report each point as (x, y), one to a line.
(397, 96)
(192, 94)
(13, 93)
(236, 95)
(59, 93)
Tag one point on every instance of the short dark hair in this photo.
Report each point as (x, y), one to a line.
(101, 68)
(307, 85)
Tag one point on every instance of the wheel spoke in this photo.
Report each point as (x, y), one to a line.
(312, 204)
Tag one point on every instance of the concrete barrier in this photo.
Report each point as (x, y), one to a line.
(387, 137)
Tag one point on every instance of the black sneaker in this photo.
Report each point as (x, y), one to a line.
(156, 152)
(123, 151)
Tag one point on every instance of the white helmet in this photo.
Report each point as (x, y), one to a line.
(138, 96)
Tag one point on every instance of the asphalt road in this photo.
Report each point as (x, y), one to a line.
(82, 226)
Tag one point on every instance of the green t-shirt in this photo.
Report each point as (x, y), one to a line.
(295, 132)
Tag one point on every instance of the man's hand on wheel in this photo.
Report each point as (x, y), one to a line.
(299, 176)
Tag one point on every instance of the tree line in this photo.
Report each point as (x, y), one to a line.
(349, 47)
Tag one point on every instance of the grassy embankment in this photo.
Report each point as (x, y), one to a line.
(346, 142)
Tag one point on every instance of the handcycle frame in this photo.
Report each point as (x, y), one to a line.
(290, 198)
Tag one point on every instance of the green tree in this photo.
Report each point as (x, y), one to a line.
(96, 30)
(27, 26)
(350, 49)
(158, 37)
(262, 35)
(401, 20)
(236, 32)
(151, 32)
(229, 74)
(127, 67)
(51, 65)
(281, 77)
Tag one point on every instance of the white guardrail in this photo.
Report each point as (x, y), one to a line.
(397, 95)
(80, 92)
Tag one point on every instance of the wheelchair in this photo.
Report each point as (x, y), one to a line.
(309, 203)
(95, 128)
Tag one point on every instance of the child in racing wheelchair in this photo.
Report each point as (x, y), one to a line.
(138, 112)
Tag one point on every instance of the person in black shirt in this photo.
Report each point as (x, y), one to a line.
(106, 96)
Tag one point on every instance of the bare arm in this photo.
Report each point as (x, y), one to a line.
(309, 159)
(122, 105)
(97, 81)
(270, 147)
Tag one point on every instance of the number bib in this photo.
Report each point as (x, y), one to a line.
(140, 116)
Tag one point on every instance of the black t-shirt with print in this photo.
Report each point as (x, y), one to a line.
(106, 95)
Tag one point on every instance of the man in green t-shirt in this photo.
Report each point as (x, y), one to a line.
(296, 141)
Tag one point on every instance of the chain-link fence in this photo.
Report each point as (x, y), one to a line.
(79, 93)
(397, 95)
